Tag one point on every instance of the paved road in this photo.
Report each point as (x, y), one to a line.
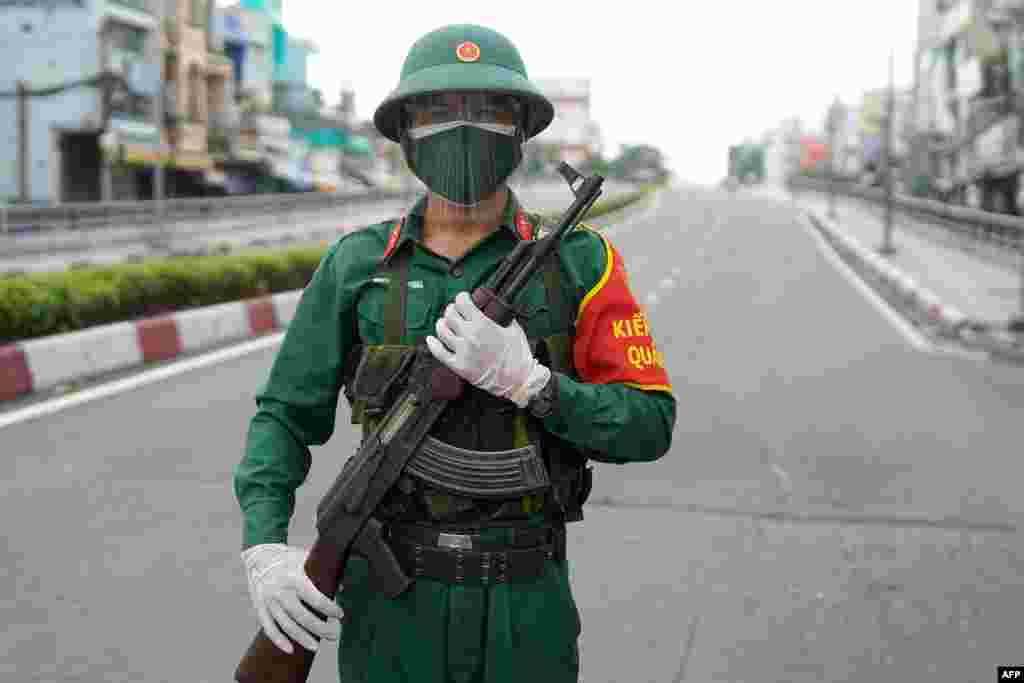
(836, 506)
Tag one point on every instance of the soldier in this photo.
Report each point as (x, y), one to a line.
(576, 378)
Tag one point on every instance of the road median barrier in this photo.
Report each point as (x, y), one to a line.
(917, 302)
(60, 328)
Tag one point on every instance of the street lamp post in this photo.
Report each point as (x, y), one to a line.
(23, 148)
(156, 55)
(108, 148)
(833, 127)
(887, 247)
(1014, 53)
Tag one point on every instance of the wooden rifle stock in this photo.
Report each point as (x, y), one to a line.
(263, 661)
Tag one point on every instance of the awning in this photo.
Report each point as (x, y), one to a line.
(244, 157)
(359, 146)
(191, 162)
(145, 155)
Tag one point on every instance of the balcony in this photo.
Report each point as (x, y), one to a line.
(249, 145)
(1008, 5)
(218, 64)
(217, 143)
(120, 60)
(137, 5)
(132, 12)
(984, 112)
(185, 38)
(956, 17)
(191, 138)
(197, 14)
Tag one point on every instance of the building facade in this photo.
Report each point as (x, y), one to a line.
(47, 45)
(872, 125)
(968, 145)
(573, 136)
(247, 43)
(782, 146)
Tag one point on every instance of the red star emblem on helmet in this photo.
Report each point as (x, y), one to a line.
(468, 51)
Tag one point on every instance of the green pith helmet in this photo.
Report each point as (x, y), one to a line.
(464, 57)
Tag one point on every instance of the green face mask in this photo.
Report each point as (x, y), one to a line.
(464, 164)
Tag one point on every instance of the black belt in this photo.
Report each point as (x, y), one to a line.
(457, 558)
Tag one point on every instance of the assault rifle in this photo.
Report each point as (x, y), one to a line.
(344, 516)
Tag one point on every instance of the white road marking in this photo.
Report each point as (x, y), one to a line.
(652, 299)
(136, 381)
(667, 283)
(913, 337)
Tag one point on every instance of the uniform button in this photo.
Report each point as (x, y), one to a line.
(457, 271)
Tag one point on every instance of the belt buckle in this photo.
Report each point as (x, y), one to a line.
(454, 541)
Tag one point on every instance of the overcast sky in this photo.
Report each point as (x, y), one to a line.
(689, 77)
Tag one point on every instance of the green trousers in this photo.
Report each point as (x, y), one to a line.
(438, 633)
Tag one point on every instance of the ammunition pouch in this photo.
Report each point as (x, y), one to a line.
(377, 379)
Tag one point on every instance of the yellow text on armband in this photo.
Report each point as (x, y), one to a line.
(641, 357)
(631, 327)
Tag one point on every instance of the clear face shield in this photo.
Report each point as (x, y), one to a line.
(428, 115)
(463, 145)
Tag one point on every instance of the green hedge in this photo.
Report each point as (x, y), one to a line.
(40, 304)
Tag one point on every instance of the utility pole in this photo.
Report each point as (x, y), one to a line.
(887, 247)
(108, 140)
(833, 129)
(156, 55)
(1016, 92)
(24, 163)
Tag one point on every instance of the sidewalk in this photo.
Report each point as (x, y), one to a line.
(982, 290)
(954, 293)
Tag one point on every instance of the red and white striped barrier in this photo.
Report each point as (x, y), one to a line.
(40, 364)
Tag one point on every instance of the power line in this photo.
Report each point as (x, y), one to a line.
(92, 82)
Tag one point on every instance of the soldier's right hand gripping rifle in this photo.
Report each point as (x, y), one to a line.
(344, 517)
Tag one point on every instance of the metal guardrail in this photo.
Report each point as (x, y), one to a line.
(102, 230)
(1001, 229)
(77, 216)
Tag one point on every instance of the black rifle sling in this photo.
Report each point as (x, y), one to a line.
(398, 293)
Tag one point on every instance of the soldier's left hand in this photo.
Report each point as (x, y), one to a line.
(494, 358)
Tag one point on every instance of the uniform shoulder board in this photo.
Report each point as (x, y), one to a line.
(396, 230)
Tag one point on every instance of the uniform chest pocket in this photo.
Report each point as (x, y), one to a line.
(377, 302)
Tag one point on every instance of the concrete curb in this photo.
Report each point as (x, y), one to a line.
(922, 304)
(39, 364)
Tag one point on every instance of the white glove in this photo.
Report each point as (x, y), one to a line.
(491, 357)
(279, 586)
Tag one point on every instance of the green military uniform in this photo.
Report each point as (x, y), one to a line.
(438, 630)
